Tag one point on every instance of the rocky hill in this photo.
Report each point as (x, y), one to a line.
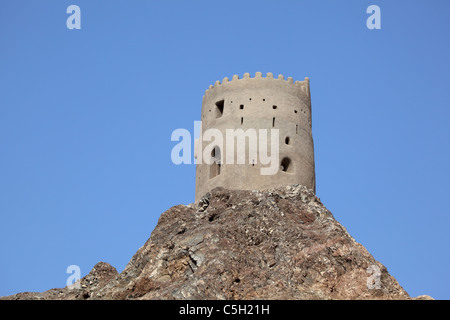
(273, 244)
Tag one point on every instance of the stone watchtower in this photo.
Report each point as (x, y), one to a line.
(255, 103)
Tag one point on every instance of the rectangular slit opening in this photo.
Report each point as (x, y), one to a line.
(219, 108)
(214, 170)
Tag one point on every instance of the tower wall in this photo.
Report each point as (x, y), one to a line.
(258, 103)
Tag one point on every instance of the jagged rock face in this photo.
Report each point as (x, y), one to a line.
(273, 244)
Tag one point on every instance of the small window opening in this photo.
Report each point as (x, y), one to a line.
(287, 140)
(215, 167)
(219, 108)
(264, 99)
(242, 121)
(214, 170)
(274, 107)
(273, 122)
(296, 129)
(286, 165)
(241, 107)
(295, 111)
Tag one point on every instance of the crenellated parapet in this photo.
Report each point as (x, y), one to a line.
(280, 81)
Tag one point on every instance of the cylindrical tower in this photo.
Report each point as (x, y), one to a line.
(233, 112)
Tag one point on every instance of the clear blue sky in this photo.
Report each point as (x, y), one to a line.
(86, 118)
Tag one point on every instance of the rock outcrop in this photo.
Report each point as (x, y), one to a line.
(272, 244)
